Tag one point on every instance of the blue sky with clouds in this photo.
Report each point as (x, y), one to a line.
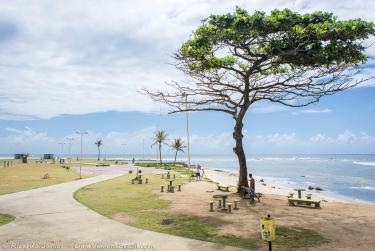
(66, 66)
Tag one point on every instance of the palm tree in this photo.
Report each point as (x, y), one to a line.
(159, 139)
(99, 143)
(178, 146)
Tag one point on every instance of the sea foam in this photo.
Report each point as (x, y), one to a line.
(365, 163)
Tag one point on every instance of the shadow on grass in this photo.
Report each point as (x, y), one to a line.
(139, 201)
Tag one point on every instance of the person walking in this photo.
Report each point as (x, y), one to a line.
(198, 172)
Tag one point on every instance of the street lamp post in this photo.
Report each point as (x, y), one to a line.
(70, 142)
(62, 149)
(80, 161)
(187, 128)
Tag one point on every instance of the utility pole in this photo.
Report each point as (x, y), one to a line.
(187, 129)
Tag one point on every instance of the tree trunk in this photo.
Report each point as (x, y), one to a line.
(160, 154)
(175, 157)
(238, 149)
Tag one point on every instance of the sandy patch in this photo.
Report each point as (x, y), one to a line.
(348, 226)
(125, 218)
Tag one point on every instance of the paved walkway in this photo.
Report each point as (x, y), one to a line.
(49, 218)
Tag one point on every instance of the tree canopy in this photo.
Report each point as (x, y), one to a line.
(235, 60)
(283, 57)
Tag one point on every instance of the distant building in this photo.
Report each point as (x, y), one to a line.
(48, 156)
(20, 155)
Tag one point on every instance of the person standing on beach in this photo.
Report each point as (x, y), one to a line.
(198, 172)
(252, 188)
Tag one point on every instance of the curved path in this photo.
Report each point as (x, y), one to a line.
(49, 218)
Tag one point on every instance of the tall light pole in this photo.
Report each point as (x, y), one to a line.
(62, 149)
(70, 142)
(80, 161)
(187, 127)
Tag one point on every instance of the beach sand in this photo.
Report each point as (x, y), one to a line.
(348, 226)
(272, 187)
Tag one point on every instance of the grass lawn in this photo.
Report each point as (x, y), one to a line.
(145, 209)
(108, 198)
(20, 177)
(6, 218)
(295, 237)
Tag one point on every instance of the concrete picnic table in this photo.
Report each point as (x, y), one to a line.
(223, 197)
(170, 182)
(299, 192)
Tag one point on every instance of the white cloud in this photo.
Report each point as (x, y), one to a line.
(28, 140)
(81, 57)
(312, 111)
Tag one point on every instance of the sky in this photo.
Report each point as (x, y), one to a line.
(78, 65)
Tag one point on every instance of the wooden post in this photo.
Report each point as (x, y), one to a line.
(179, 188)
(211, 206)
(161, 188)
(235, 205)
(229, 207)
(270, 242)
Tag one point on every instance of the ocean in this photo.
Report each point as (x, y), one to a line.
(342, 175)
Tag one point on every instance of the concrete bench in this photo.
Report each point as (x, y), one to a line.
(222, 187)
(301, 202)
(247, 194)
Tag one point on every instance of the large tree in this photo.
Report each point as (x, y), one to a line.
(160, 138)
(99, 143)
(178, 146)
(236, 60)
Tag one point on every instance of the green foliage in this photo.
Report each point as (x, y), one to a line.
(160, 137)
(6, 218)
(175, 168)
(295, 237)
(99, 143)
(143, 204)
(108, 198)
(286, 37)
(178, 145)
